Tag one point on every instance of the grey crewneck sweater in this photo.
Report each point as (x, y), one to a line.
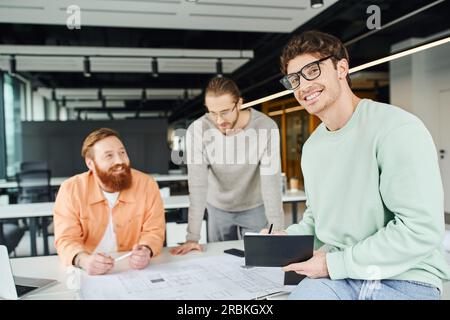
(234, 172)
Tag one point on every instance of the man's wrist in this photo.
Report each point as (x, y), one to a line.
(150, 249)
(77, 259)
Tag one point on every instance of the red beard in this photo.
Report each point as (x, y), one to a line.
(115, 181)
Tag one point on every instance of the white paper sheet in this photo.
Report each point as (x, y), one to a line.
(221, 277)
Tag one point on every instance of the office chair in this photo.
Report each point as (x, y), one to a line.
(10, 235)
(33, 165)
(34, 186)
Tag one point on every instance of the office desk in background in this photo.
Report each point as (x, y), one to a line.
(33, 211)
(54, 182)
(57, 181)
(293, 197)
(45, 209)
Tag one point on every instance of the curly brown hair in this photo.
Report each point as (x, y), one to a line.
(316, 43)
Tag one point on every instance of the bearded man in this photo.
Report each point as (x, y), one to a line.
(109, 208)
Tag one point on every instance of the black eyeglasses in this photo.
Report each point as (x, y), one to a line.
(310, 72)
(222, 114)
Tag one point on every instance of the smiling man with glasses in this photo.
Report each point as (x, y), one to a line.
(233, 169)
(309, 72)
(372, 182)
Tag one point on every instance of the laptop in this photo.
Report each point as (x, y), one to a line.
(17, 287)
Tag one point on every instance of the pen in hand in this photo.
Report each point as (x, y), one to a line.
(123, 256)
(270, 228)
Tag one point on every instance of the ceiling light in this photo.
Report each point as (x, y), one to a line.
(400, 55)
(219, 68)
(264, 99)
(359, 68)
(154, 68)
(316, 4)
(87, 67)
(12, 65)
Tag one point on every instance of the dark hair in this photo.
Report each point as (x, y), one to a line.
(221, 85)
(317, 43)
(93, 138)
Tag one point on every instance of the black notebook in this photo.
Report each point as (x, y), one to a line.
(263, 250)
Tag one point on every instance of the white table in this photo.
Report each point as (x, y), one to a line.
(57, 181)
(33, 211)
(294, 197)
(45, 209)
(50, 267)
(179, 202)
(169, 177)
(54, 182)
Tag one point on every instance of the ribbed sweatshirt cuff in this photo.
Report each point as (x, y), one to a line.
(193, 237)
(336, 265)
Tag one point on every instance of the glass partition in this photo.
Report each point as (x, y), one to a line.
(13, 103)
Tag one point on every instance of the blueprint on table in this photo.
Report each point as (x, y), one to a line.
(220, 277)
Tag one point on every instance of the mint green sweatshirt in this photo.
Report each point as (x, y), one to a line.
(375, 198)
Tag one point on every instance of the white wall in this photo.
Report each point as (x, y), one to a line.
(416, 80)
(38, 107)
(416, 84)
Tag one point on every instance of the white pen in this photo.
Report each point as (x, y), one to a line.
(123, 256)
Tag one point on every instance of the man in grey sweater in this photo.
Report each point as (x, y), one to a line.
(233, 158)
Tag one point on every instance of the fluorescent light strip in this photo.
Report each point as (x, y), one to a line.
(289, 110)
(293, 109)
(275, 113)
(268, 98)
(399, 55)
(359, 68)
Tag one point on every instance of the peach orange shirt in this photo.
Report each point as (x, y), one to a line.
(81, 216)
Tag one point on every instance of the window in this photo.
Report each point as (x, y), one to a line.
(13, 103)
